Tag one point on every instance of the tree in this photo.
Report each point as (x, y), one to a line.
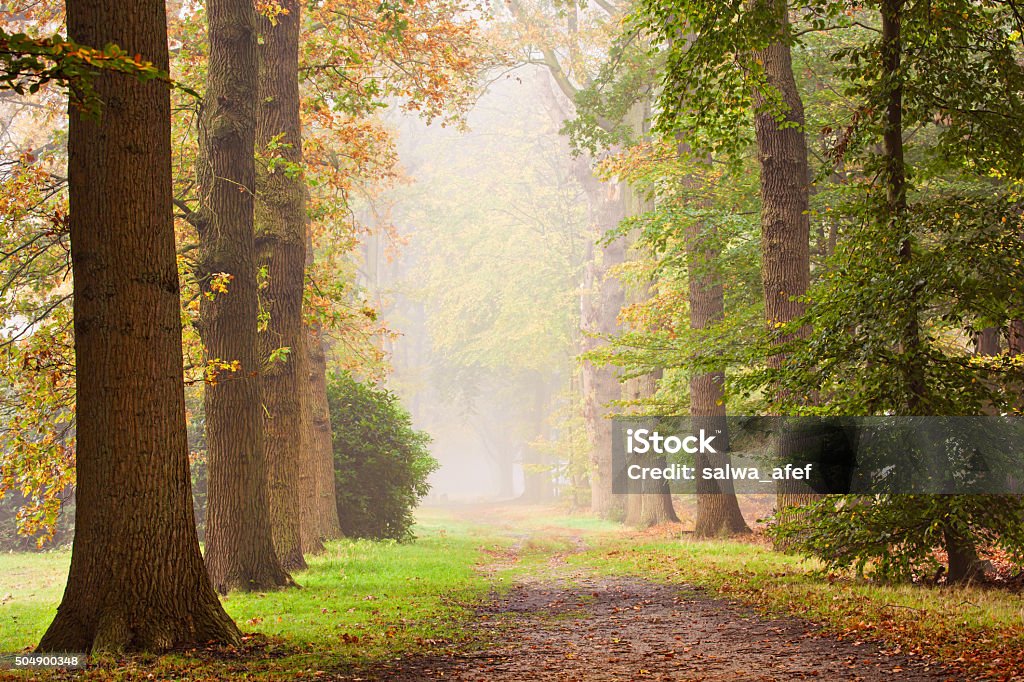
(549, 27)
(137, 580)
(718, 510)
(316, 433)
(929, 254)
(239, 547)
(346, 152)
(281, 253)
(602, 298)
(785, 199)
(761, 81)
(504, 334)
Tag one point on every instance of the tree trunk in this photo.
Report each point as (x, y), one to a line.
(785, 202)
(963, 562)
(239, 549)
(785, 222)
(987, 341)
(1016, 337)
(1015, 346)
(281, 249)
(654, 504)
(986, 344)
(318, 432)
(718, 510)
(896, 194)
(602, 300)
(648, 502)
(137, 579)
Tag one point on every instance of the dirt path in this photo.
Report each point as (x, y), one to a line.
(560, 625)
(629, 629)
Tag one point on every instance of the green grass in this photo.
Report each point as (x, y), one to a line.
(359, 601)
(372, 598)
(31, 585)
(363, 602)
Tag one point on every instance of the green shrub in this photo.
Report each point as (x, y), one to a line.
(898, 537)
(381, 463)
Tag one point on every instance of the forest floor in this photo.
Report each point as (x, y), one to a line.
(517, 593)
(565, 622)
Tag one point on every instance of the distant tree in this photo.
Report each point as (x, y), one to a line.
(316, 431)
(564, 36)
(137, 579)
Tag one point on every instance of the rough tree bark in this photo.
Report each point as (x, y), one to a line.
(137, 579)
(239, 549)
(785, 201)
(718, 510)
(281, 250)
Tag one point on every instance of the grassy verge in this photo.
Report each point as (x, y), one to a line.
(979, 629)
(364, 602)
(31, 586)
(360, 601)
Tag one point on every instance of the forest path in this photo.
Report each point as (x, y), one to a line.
(560, 622)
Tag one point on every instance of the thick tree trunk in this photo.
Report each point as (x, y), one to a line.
(137, 579)
(785, 222)
(785, 202)
(718, 510)
(963, 562)
(308, 480)
(239, 549)
(281, 249)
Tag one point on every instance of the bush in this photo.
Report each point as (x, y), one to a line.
(381, 463)
(902, 537)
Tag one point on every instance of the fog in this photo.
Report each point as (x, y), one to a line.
(478, 275)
